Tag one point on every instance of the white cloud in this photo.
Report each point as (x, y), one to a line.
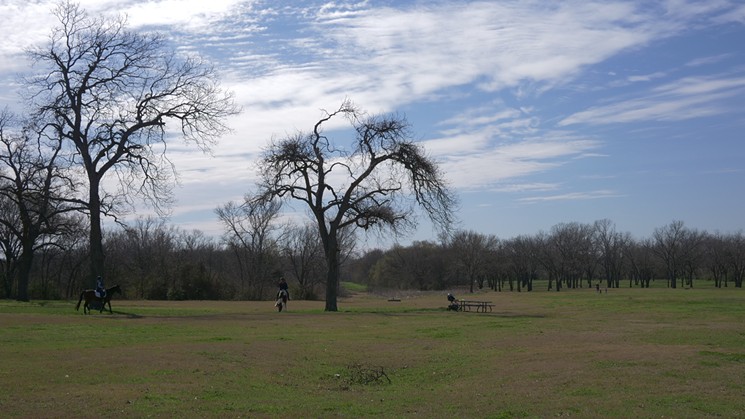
(735, 15)
(647, 77)
(708, 60)
(187, 14)
(574, 196)
(686, 98)
(524, 187)
(492, 165)
(424, 49)
(18, 33)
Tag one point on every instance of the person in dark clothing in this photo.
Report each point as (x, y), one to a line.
(453, 302)
(283, 287)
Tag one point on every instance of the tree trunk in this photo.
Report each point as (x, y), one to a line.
(332, 277)
(8, 279)
(96, 236)
(332, 281)
(24, 269)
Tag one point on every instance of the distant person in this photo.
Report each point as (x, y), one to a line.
(453, 303)
(100, 287)
(283, 287)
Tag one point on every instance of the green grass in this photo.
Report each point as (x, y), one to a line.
(630, 352)
(354, 287)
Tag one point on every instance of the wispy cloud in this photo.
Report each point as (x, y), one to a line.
(574, 196)
(647, 77)
(686, 98)
(498, 44)
(492, 164)
(708, 60)
(525, 187)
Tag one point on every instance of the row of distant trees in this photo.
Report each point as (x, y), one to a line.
(152, 260)
(570, 255)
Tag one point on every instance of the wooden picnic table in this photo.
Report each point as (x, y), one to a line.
(480, 306)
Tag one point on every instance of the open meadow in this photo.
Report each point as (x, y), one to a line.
(626, 353)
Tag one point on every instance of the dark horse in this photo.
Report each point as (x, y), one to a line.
(90, 296)
(282, 297)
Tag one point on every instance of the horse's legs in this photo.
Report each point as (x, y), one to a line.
(77, 307)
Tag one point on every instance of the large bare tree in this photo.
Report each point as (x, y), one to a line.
(115, 96)
(369, 182)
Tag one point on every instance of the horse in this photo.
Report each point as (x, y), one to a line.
(282, 297)
(90, 296)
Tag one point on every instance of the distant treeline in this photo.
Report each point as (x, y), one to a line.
(570, 255)
(152, 260)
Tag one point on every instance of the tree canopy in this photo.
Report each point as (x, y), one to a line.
(372, 183)
(112, 95)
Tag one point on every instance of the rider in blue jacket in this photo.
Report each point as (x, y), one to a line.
(100, 288)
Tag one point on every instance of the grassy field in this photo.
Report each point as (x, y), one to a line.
(628, 353)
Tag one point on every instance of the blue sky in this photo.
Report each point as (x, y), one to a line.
(540, 112)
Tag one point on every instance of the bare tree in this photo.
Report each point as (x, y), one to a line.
(568, 254)
(692, 255)
(422, 266)
(716, 252)
(472, 251)
(368, 186)
(33, 184)
(610, 244)
(669, 248)
(10, 246)
(304, 255)
(250, 232)
(522, 253)
(639, 257)
(736, 245)
(142, 257)
(109, 93)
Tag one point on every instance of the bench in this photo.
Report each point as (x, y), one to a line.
(480, 306)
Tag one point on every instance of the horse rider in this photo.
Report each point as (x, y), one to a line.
(100, 288)
(283, 287)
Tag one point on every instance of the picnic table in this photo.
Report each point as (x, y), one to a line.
(480, 306)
